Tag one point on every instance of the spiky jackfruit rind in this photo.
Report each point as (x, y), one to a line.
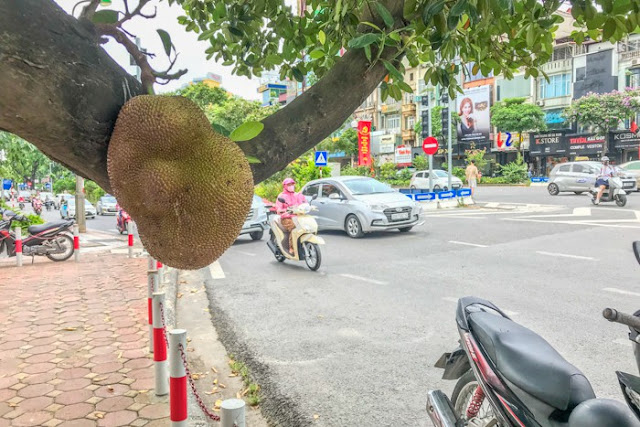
(188, 188)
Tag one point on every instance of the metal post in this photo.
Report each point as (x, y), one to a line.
(160, 347)
(178, 378)
(130, 238)
(152, 287)
(449, 154)
(18, 246)
(76, 242)
(81, 220)
(430, 155)
(232, 413)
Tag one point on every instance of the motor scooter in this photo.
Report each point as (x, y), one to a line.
(614, 193)
(507, 375)
(37, 206)
(305, 239)
(51, 239)
(122, 219)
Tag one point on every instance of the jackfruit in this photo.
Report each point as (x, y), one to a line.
(188, 188)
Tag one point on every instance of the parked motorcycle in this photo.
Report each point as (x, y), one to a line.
(510, 376)
(614, 193)
(51, 239)
(122, 219)
(305, 239)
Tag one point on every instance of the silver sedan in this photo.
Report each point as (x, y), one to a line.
(360, 205)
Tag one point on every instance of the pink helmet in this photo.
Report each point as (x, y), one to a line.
(288, 181)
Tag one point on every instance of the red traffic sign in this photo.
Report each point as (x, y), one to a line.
(430, 145)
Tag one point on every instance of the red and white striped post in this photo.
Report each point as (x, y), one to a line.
(76, 242)
(159, 347)
(152, 286)
(160, 269)
(177, 378)
(19, 246)
(130, 237)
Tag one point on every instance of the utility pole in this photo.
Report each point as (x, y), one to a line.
(80, 217)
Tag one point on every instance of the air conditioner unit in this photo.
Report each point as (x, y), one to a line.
(635, 62)
(540, 103)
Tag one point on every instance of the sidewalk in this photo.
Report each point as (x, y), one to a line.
(74, 344)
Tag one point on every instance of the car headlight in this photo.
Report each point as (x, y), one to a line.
(377, 207)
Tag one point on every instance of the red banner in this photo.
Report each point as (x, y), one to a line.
(364, 143)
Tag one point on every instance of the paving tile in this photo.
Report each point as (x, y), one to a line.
(116, 419)
(32, 419)
(35, 390)
(75, 396)
(114, 404)
(75, 411)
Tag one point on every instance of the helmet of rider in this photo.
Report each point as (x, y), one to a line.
(289, 185)
(604, 159)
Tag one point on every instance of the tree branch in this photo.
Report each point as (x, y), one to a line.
(90, 9)
(136, 12)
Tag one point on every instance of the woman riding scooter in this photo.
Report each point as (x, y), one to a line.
(291, 199)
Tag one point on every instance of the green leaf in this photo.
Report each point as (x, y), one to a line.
(236, 31)
(316, 54)
(385, 14)
(363, 40)
(367, 52)
(220, 129)
(397, 75)
(459, 8)
(297, 74)
(405, 87)
(247, 131)
(431, 10)
(531, 35)
(609, 29)
(252, 159)
(409, 8)
(322, 37)
(105, 17)
(166, 41)
(273, 59)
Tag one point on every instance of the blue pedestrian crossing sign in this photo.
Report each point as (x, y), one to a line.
(321, 158)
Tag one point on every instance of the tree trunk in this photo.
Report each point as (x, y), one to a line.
(62, 93)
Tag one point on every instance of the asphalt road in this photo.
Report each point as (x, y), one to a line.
(354, 344)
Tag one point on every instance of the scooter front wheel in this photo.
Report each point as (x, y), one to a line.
(621, 200)
(312, 256)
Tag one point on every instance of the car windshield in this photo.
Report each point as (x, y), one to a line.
(87, 203)
(441, 174)
(108, 200)
(367, 186)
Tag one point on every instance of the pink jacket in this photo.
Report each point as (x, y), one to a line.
(291, 199)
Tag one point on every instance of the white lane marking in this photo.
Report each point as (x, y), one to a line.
(455, 300)
(588, 258)
(623, 342)
(637, 215)
(492, 205)
(590, 222)
(622, 291)
(246, 253)
(467, 244)
(363, 279)
(582, 212)
(216, 271)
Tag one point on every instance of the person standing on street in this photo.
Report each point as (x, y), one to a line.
(472, 176)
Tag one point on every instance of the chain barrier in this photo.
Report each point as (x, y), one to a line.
(192, 383)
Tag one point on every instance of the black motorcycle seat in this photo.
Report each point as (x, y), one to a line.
(35, 229)
(529, 362)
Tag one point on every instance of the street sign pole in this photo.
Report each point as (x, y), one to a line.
(431, 156)
(449, 154)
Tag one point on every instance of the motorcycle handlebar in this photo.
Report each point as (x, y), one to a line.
(616, 316)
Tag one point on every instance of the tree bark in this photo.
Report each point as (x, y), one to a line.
(62, 92)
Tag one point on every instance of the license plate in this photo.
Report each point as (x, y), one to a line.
(399, 216)
(628, 184)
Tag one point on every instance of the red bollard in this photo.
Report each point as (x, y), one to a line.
(130, 236)
(177, 378)
(18, 246)
(76, 242)
(159, 347)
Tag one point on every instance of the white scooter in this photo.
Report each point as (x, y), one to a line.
(614, 193)
(305, 239)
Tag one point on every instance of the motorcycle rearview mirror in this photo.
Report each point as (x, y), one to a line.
(636, 250)
(281, 200)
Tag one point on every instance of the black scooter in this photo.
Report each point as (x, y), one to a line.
(510, 376)
(51, 239)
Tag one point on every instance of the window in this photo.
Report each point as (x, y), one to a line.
(410, 77)
(562, 52)
(633, 78)
(633, 166)
(393, 122)
(311, 190)
(565, 168)
(558, 85)
(328, 189)
(409, 122)
(420, 175)
(580, 169)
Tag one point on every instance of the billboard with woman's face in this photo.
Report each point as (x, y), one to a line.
(473, 109)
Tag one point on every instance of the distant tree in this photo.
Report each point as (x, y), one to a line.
(234, 111)
(203, 94)
(22, 161)
(515, 115)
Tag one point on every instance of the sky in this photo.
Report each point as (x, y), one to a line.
(191, 51)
